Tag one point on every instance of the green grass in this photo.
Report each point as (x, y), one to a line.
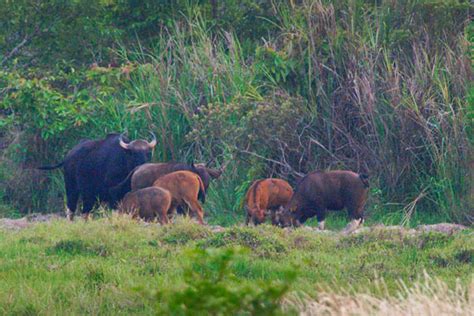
(115, 266)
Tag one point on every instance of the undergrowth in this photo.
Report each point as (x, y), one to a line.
(118, 266)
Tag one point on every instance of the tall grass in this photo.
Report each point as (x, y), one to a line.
(188, 68)
(378, 96)
(386, 98)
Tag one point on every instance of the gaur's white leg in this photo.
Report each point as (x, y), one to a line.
(69, 214)
(358, 222)
(321, 224)
(353, 225)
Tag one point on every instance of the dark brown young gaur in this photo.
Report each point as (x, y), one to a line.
(148, 204)
(185, 188)
(266, 195)
(320, 191)
(144, 176)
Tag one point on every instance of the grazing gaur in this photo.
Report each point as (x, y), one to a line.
(185, 188)
(320, 191)
(266, 195)
(92, 167)
(148, 204)
(143, 176)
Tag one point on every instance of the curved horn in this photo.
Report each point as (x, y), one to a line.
(153, 142)
(123, 144)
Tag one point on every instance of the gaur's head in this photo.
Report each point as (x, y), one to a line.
(287, 216)
(214, 173)
(207, 173)
(259, 217)
(138, 151)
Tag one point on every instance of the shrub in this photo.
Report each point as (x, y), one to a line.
(212, 289)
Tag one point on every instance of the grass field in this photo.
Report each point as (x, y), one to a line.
(118, 266)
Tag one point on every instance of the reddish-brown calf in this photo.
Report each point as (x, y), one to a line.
(185, 188)
(266, 195)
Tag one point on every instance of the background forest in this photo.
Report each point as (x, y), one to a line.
(275, 88)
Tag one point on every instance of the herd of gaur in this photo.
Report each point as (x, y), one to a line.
(117, 171)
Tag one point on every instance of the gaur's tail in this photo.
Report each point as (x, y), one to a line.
(247, 215)
(202, 191)
(365, 179)
(51, 167)
(252, 201)
(243, 199)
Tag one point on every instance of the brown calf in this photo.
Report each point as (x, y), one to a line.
(185, 188)
(266, 194)
(147, 203)
(327, 190)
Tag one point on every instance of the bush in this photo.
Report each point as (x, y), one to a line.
(211, 288)
(277, 126)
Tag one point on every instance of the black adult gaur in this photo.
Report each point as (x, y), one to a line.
(92, 167)
(320, 191)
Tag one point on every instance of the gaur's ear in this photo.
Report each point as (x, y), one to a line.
(194, 167)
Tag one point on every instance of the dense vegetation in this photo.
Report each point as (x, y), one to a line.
(117, 266)
(275, 88)
(279, 88)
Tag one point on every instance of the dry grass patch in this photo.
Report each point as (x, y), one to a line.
(427, 297)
